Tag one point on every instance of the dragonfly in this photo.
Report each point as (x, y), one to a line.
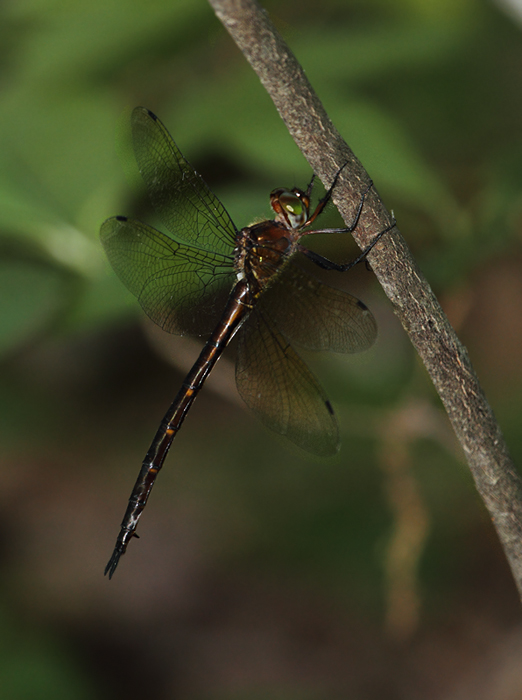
(206, 277)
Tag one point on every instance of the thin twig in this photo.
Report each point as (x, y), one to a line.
(444, 357)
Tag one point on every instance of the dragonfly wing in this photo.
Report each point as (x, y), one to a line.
(181, 288)
(179, 194)
(318, 317)
(278, 386)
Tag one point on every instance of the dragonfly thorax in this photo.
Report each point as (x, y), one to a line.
(261, 251)
(290, 206)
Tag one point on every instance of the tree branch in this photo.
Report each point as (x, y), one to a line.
(444, 357)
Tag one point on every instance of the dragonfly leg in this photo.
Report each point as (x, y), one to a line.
(324, 201)
(330, 265)
(310, 186)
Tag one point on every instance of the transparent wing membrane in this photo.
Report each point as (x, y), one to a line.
(179, 194)
(318, 317)
(181, 288)
(278, 386)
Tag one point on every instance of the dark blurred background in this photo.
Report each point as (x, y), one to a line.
(260, 573)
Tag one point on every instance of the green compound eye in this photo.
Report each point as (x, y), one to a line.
(290, 206)
(295, 207)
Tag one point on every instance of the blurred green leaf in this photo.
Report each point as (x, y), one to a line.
(32, 296)
(36, 665)
(346, 57)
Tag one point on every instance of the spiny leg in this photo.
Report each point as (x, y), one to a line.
(324, 201)
(310, 186)
(329, 265)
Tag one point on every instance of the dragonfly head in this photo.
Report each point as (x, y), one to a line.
(290, 206)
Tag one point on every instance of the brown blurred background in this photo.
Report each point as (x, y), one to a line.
(259, 572)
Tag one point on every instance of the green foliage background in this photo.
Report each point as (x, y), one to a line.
(239, 529)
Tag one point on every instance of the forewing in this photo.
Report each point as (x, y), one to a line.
(178, 193)
(318, 317)
(181, 288)
(278, 386)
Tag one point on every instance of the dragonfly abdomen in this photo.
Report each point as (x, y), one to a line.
(236, 311)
